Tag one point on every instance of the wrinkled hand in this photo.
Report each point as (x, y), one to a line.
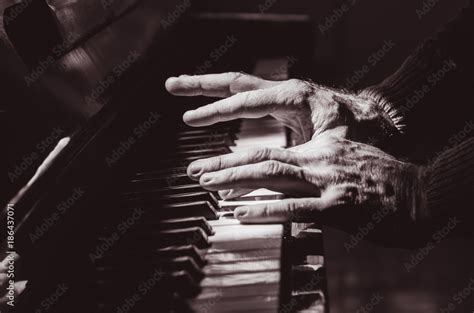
(306, 108)
(335, 181)
(18, 286)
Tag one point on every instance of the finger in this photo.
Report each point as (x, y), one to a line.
(9, 260)
(18, 288)
(215, 85)
(233, 193)
(273, 175)
(298, 210)
(3, 281)
(251, 156)
(249, 104)
(306, 210)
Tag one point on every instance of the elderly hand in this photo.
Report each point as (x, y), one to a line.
(335, 181)
(308, 109)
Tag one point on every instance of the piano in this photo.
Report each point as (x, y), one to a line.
(110, 222)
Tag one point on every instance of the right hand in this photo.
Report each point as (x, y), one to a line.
(306, 108)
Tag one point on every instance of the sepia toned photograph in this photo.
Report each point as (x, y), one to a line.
(257, 156)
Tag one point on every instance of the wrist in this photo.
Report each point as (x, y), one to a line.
(420, 210)
(409, 198)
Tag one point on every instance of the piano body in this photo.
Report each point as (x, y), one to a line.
(112, 223)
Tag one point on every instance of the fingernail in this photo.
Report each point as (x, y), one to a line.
(241, 212)
(206, 179)
(195, 170)
(224, 194)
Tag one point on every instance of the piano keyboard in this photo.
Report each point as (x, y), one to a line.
(186, 252)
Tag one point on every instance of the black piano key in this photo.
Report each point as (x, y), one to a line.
(160, 182)
(176, 198)
(228, 139)
(206, 131)
(306, 278)
(161, 172)
(171, 252)
(144, 237)
(118, 283)
(307, 242)
(178, 251)
(169, 190)
(196, 146)
(203, 150)
(185, 161)
(200, 222)
(193, 209)
(165, 265)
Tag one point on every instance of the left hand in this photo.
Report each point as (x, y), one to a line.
(335, 181)
(307, 109)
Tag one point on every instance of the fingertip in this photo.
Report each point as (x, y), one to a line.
(241, 213)
(20, 286)
(194, 171)
(188, 118)
(171, 84)
(206, 179)
(225, 194)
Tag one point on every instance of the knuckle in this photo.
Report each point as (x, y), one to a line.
(260, 154)
(292, 210)
(217, 163)
(303, 89)
(232, 175)
(235, 81)
(272, 168)
(237, 77)
(265, 211)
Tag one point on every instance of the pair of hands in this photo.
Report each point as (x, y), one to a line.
(337, 175)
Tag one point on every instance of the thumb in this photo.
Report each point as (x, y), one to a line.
(281, 211)
(306, 210)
